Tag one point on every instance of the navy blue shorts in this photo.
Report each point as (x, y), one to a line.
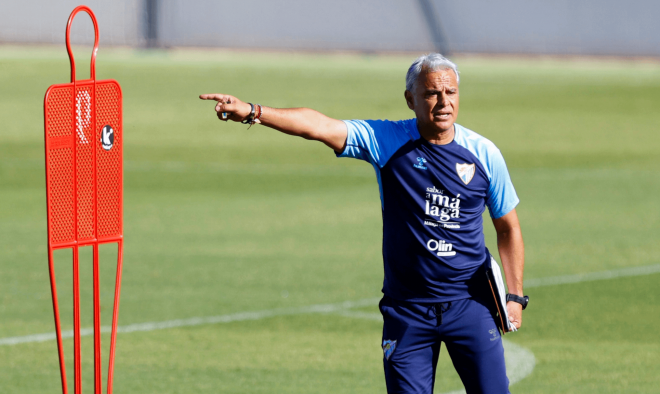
(412, 334)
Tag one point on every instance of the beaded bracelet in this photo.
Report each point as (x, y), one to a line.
(257, 117)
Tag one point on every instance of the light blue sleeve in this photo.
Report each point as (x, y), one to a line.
(501, 197)
(375, 141)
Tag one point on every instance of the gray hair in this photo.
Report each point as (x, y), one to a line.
(430, 62)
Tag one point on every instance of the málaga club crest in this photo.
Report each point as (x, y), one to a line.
(465, 172)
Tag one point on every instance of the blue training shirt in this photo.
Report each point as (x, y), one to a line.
(433, 198)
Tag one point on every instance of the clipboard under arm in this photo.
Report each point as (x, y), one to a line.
(498, 291)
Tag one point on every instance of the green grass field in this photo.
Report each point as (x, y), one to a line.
(222, 220)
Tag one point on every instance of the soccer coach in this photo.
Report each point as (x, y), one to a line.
(435, 177)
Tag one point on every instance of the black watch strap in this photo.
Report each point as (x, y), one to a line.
(521, 300)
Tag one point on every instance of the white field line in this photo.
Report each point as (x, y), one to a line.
(198, 321)
(319, 169)
(591, 276)
(341, 308)
(218, 168)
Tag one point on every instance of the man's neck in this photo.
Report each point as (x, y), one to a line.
(438, 138)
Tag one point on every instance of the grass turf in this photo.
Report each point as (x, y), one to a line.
(220, 220)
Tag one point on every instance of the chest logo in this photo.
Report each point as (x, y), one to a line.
(420, 163)
(465, 172)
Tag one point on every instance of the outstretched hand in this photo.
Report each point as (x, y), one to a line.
(228, 107)
(301, 122)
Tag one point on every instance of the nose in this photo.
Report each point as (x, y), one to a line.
(443, 99)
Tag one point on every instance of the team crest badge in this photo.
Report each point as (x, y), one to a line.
(465, 172)
(388, 348)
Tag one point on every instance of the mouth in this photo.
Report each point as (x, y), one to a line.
(443, 116)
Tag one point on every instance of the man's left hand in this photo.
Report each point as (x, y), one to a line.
(515, 313)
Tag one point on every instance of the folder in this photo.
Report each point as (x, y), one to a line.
(499, 295)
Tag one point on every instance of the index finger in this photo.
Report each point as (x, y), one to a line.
(212, 96)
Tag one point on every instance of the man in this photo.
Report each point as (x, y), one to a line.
(436, 178)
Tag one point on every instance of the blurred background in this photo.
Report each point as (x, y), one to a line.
(587, 27)
(253, 259)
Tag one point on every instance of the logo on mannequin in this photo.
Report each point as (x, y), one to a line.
(107, 137)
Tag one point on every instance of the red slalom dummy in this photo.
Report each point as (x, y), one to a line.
(84, 188)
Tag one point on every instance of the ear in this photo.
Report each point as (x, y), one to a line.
(409, 99)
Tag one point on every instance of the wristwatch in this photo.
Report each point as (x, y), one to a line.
(521, 300)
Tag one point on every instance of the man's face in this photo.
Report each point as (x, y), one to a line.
(435, 100)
